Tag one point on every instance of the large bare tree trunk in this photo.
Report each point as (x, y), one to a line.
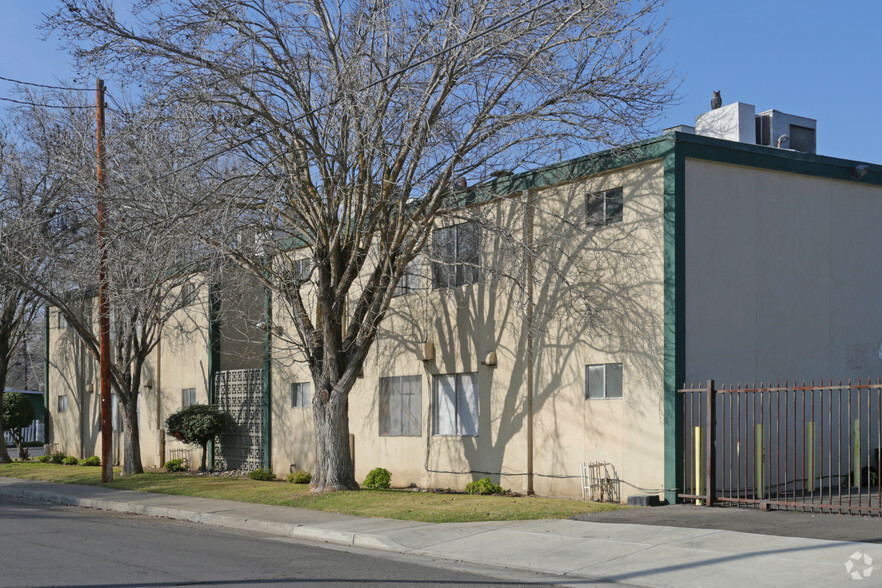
(131, 439)
(333, 462)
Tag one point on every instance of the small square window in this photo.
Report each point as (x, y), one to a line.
(299, 394)
(603, 380)
(604, 207)
(62, 320)
(188, 294)
(411, 280)
(188, 397)
(62, 403)
(302, 269)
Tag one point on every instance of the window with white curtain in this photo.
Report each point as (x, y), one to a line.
(456, 404)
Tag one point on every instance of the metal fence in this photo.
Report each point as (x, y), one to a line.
(803, 447)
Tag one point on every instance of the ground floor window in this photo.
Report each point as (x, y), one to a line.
(401, 405)
(456, 404)
(603, 380)
(62, 403)
(299, 394)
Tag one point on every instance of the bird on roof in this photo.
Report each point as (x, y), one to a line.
(716, 100)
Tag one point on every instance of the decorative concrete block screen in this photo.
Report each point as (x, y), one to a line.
(240, 394)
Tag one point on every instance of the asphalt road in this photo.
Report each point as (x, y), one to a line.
(45, 545)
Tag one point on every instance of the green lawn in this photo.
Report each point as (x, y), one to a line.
(393, 504)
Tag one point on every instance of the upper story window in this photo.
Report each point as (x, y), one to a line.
(188, 294)
(302, 269)
(603, 380)
(456, 255)
(412, 279)
(604, 207)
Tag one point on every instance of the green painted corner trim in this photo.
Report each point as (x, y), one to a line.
(674, 315)
(47, 426)
(213, 354)
(267, 378)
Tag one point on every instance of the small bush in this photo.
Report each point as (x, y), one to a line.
(300, 477)
(70, 460)
(175, 465)
(484, 486)
(378, 479)
(262, 475)
(57, 457)
(44, 458)
(91, 461)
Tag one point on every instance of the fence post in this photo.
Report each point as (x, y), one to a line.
(710, 436)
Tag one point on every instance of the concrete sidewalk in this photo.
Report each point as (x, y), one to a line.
(584, 552)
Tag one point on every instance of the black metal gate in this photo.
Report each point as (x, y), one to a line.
(239, 393)
(802, 447)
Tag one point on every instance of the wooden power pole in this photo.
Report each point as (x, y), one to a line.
(103, 309)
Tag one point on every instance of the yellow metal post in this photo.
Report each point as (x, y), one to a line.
(699, 464)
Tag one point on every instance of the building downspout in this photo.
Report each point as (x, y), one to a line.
(528, 237)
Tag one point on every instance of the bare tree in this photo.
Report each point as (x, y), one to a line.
(23, 179)
(151, 252)
(359, 120)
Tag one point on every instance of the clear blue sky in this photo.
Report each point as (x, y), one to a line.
(806, 57)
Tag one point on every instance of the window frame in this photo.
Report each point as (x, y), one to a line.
(605, 218)
(451, 269)
(387, 391)
(303, 391)
(302, 269)
(617, 378)
(189, 399)
(412, 279)
(459, 428)
(62, 403)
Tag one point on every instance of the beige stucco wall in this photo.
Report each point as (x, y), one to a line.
(780, 280)
(618, 269)
(179, 361)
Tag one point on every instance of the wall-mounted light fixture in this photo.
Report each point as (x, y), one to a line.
(149, 383)
(90, 388)
(490, 359)
(428, 351)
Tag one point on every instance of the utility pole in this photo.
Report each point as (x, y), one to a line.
(103, 310)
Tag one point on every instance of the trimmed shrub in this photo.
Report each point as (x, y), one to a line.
(57, 457)
(17, 415)
(197, 424)
(300, 477)
(262, 475)
(91, 461)
(70, 460)
(378, 479)
(44, 458)
(484, 486)
(175, 465)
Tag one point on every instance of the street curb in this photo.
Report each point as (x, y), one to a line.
(290, 530)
